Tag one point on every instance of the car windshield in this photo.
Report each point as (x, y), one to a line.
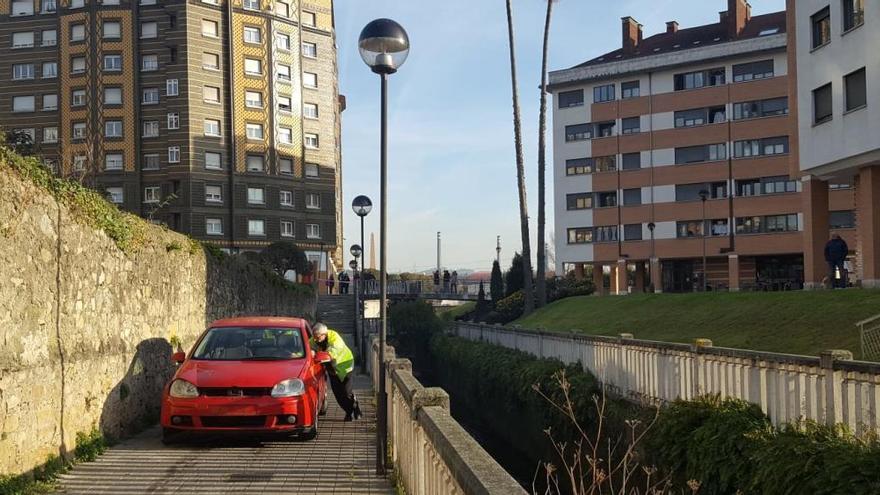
(251, 344)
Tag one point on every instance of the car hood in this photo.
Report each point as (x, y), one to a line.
(240, 374)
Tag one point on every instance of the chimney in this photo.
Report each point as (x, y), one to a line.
(672, 27)
(738, 14)
(632, 34)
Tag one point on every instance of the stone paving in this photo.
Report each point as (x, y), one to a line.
(340, 460)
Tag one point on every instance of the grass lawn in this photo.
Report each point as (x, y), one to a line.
(790, 322)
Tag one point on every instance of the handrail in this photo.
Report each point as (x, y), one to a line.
(869, 320)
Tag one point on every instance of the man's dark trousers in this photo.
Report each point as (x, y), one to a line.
(342, 390)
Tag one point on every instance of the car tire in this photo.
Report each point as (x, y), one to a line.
(170, 436)
(311, 433)
(323, 410)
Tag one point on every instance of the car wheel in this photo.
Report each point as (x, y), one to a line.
(311, 433)
(170, 436)
(323, 409)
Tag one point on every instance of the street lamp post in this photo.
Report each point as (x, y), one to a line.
(704, 195)
(384, 47)
(362, 206)
(651, 227)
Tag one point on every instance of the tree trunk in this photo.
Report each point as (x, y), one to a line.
(541, 290)
(529, 304)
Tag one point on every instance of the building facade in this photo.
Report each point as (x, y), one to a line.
(672, 160)
(835, 67)
(219, 118)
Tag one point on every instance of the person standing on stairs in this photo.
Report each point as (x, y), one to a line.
(339, 369)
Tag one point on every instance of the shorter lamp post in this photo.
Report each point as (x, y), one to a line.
(704, 195)
(651, 227)
(356, 251)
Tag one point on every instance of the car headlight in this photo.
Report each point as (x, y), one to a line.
(289, 388)
(183, 389)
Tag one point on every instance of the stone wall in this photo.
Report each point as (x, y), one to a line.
(85, 328)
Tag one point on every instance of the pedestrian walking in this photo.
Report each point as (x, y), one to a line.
(454, 282)
(339, 370)
(330, 283)
(836, 251)
(446, 278)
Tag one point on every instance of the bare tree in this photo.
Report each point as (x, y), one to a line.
(528, 292)
(541, 289)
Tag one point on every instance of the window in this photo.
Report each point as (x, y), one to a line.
(632, 161)
(311, 140)
(50, 70)
(583, 235)
(149, 30)
(310, 80)
(214, 194)
(760, 108)
(213, 226)
(113, 129)
(24, 103)
(605, 163)
(579, 201)
(310, 110)
(605, 129)
(569, 99)
(821, 22)
(691, 228)
(606, 199)
(113, 96)
(211, 61)
(603, 93)
(578, 166)
(754, 70)
(309, 19)
(77, 32)
(253, 66)
(704, 153)
(842, 219)
(173, 120)
(172, 54)
(23, 40)
(149, 63)
(174, 154)
(115, 195)
(152, 194)
(691, 192)
(631, 125)
(313, 231)
(856, 90)
(49, 6)
(282, 9)
(172, 87)
(853, 14)
(212, 127)
(285, 135)
(109, 2)
(578, 132)
(78, 65)
(285, 165)
(150, 96)
(50, 134)
(286, 228)
(605, 234)
(251, 4)
(284, 104)
(311, 170)
(79, 162)
(211, 94)
(213, 160)
(700, 79)
(632, 197)
(22, 72)
(111, 30)
(112, 63)
(255, 163)
(632, 232)
(767, 224)
(822, 107)
(209, 28)
(113, 161)
(309, 50)
(151, 128)
(256, 227)
(760, 147)
(629, 89)
(284, 73)
(78, 97)
(254, 131)
(252, 35)
(150, 162)
(286, 198)
(50, 37)
(690, 118)
(313, 201)
(22, 7)
(148, 2)
(282, 42)
(253, 99)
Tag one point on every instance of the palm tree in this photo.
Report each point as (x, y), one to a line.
(529, 304)
(541, 290)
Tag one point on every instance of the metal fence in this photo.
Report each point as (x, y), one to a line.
(869, 332)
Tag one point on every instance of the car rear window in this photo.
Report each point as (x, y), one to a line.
(246, 344)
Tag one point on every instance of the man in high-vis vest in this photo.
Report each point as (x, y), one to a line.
(339, 369)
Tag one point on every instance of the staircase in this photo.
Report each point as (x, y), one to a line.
(338, 312)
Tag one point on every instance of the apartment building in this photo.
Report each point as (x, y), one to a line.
(834, 64)
(675, 149)
(219, 118)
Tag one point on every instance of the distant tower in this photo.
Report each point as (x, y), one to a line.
(372, 251)
(498, 250)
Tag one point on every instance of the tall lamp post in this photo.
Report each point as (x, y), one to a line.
(704, 195)
(357, 251)
(384, 46)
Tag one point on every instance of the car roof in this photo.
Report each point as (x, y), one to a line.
(261, 321)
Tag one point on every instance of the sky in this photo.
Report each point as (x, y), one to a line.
(451, 165)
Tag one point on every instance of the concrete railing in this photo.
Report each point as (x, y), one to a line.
(831, 388)
(432, 453)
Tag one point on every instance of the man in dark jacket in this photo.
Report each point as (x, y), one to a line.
(835, 254)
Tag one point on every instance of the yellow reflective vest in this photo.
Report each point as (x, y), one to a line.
(340, 353)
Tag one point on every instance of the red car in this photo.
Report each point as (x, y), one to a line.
(256, 374)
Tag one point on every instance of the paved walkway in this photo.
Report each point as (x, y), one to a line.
(340, 460)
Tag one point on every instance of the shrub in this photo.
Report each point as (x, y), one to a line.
(413, 324)
(568, 286)
(509, 308)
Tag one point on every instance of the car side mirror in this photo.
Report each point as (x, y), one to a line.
(323, 357)
(178, 357)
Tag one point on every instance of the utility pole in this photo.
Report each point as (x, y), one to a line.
(498, 250)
